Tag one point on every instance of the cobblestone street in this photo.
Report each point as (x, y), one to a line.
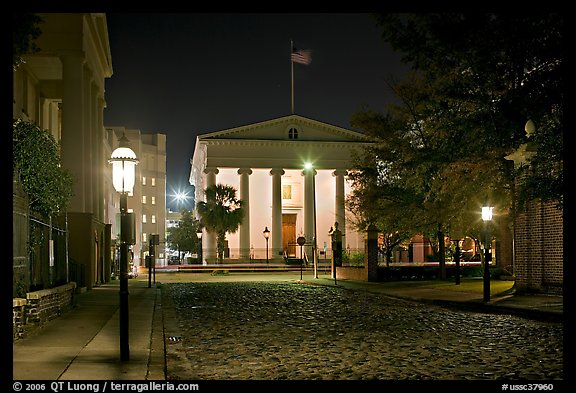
(293, 331)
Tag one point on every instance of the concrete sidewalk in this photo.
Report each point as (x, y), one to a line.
(84, 344)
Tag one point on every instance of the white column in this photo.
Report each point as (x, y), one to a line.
(276, 234)
(88, 155)
(309, 213)
(245, 226)
(339, 206)
(209, 238)
(101, 159)
(54, 120)
(95, 163)
(73, 125)
(44, 121)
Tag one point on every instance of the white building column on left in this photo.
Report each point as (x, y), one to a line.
(276, 250)
(309, 209)
(245, 226)
(209, 238)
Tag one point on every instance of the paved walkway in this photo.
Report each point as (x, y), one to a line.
(83, 344)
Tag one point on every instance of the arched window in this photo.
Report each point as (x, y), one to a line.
(292, 133)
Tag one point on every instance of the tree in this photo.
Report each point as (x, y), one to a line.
(388, 242)
(25, 30)
(439, 154)
(222, 212)
(489, 74)
(183, 236)
(36, 162)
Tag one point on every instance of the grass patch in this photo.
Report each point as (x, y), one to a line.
(475, 286)
(219, 272)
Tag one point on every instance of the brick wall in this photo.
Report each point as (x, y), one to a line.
(368, 272)
(18, 318)
(40, 307)
(356, 273)
(539, 248)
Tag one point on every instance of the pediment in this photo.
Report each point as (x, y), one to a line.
(290, 128)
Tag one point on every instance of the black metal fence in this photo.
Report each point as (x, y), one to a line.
(47, 252)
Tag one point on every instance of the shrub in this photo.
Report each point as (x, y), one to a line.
(36, 161)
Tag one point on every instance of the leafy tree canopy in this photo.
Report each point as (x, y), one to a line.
(489, 74)
(25, 30)
(439, 154)
(183, 236)
(36, 161)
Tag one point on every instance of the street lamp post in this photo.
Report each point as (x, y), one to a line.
(123, 160)
(199, 235)
(486, 218)
(331, 234)
(266, 233)
(301, 241)
(457, 260)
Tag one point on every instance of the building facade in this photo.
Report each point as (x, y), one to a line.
(538, 236)
(291, 174)
(61, 89)
(148, 199)
(153, 190)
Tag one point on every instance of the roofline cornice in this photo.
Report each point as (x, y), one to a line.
(284, 119)
(281, 143)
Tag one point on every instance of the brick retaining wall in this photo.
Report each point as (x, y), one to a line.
(18, 318)
(357, 273)
(40, 307)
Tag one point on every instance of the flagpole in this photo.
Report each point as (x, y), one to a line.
(292, 75)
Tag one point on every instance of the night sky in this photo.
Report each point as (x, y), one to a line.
(187, 74)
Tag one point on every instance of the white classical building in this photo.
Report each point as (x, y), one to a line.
(287, 171)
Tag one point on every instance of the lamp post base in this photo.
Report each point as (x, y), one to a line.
(124, 332)
(124, 336)
(487, 276)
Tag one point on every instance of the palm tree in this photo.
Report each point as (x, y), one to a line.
(221, 213)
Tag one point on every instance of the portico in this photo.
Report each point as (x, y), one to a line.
(265, 162)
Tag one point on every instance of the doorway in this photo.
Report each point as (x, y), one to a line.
(289, 234)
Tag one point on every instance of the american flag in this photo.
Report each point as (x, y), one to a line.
(302, 56)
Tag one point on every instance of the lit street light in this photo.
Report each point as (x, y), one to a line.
(486, 218)
(266, 233)
(124, 161)
(199, 235)
(181, 197)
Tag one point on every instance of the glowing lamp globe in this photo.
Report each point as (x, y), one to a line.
(123, 160)
(487, 213)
